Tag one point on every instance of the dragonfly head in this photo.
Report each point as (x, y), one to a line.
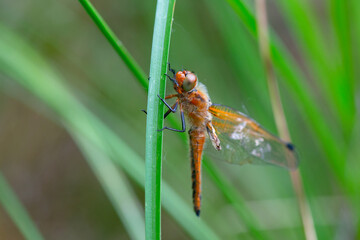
(186, 81)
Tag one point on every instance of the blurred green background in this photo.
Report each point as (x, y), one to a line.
(53, 57)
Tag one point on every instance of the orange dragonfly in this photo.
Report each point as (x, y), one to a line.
(234, 137)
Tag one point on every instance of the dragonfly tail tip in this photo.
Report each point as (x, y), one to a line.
(290, 146)
(197, 212)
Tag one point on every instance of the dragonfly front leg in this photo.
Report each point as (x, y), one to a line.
(182, 123)
(172, 96)
(172, 79)
(170, 69)
(170, 110)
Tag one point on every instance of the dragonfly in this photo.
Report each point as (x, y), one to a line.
(234, 137)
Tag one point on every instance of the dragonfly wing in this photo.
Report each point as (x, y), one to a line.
(244, 141)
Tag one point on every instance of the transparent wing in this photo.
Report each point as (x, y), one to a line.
(244, 141)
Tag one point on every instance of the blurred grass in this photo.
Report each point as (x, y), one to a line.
(235, 199)
(116, 186)
(226, 188)
(17, 211)
(344, 66)
(32, 73)
(279, 115)
(115, 43)
(214, 42)
(302, 93)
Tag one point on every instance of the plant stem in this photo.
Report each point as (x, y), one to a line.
(333, 147)
(229, 191)
(115, 43)
(33, 73)
(235, 199)
(263, 36)
(153, 151)
(344, 86)
(116, 186)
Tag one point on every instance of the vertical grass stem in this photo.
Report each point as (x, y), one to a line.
(262, 28)
(153, 151)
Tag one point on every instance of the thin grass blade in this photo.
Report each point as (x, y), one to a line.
(115, 43)
(308, 35)
(294, 79)
(30, 71)
(17, 211)
(344, 85)
(235, 199)
(263, 39)
(229, 191)
(116, 186)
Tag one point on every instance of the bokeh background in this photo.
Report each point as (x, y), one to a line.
(64, 195)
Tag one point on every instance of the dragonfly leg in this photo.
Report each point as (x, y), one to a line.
(182, 124)
(171, 96)
(172, 79)
(170, 69)
(171, 109)
(166, 104)
(165, 115)
(174, 107)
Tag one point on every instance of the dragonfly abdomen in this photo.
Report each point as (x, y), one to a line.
(197, 140)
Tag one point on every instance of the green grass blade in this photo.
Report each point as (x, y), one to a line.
(115, 43)
(308, 35)
(355, 20)
(353, 169)
(171, 201)
(235, 199)
(30, 75)
(154, 121)
(229, 191)
(320, 59)
(333, 146)
(279, 115)
(17, 211)
(116, 186)
(185, 215)
(20, 62)
(341, 12)
(294, 80)
(238, 42)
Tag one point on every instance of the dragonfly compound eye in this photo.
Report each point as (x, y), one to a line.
(189, 82)
(180, 77)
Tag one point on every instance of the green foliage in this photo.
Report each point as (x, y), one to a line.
(115, 43)
(99, 98)
(226, 188)
(95, 139)
(17, 211)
